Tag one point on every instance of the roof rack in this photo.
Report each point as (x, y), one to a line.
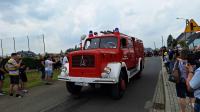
(112, 32)
(107, 32)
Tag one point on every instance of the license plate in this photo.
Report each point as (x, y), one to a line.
(81, 83)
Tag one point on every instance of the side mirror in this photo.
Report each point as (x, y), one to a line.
(83, 37)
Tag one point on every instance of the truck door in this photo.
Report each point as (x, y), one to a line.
(136, 49)
(125, 51)
(131, 54)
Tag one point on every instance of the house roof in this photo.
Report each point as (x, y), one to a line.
(182, 36)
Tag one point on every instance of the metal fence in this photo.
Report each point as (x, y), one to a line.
(25, 43)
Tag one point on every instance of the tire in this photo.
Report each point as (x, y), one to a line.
(73, 89)
(118, 90)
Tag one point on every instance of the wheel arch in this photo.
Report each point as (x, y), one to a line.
(116, 68)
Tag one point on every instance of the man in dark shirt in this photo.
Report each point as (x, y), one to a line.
(23, 77)
(42, 67)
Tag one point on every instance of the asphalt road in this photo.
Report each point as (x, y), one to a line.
(55, 98)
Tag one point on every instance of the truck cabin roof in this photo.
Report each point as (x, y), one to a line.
(111, 34)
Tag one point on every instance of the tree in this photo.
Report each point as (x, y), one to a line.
(169, 41)
(174, 43)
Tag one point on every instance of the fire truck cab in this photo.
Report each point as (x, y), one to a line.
(110, 59)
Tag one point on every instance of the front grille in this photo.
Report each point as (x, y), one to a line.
(83, 61)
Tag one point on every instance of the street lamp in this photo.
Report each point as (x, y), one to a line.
(186, 23)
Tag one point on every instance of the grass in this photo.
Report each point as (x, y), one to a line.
(33, 79)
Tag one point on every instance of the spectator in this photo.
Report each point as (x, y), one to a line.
(1, 80)
(61, 60)
(13, 68)
(171, 60)
(181, 87)
(48, 70)
(166, 61)
(193, 84)
(42, 67)
(23, 77)
(65, 60)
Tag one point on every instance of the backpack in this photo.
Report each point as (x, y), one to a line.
(175, 76)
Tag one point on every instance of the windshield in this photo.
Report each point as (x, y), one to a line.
(102, 42)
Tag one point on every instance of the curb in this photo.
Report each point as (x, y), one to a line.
(166, 94)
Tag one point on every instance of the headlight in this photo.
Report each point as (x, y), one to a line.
(107, 70)
(64, 71)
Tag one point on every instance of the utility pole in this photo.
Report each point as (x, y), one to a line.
(162, 41)
(28, 43)
(43, 43)
(14, 44)
(2, 47)
(155, 45)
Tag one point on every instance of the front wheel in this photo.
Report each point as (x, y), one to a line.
(117, 90)
(72, 88)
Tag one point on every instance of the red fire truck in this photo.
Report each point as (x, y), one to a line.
(110, 59)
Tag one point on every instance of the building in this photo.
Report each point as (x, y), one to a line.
(184, 36)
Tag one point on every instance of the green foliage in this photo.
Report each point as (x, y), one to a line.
(72, 49)
(174, 43)
(183, 44)
(169, 41)
(32, 63)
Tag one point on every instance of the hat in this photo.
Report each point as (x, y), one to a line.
(165, 53)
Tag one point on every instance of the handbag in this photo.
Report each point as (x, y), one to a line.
(171, 78)
(175, 76)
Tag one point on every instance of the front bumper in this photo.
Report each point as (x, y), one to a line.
(87, 80)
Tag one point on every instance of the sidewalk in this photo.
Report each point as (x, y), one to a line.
(165, 98)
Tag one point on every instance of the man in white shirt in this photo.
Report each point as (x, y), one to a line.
(65, 60)
(48, 69)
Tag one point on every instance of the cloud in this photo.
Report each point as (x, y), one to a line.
(64, 21)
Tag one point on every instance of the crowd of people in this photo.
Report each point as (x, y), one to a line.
(183, 68)
(16, 69)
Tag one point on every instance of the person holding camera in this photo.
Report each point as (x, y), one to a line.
(181, 88)
(193, 83)
(13, 68)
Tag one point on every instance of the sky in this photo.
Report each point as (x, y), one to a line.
(62, 22)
